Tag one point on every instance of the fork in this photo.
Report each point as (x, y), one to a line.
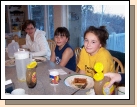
(82, 87)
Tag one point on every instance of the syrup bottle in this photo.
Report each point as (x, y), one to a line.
(31, 78)
(100, 81)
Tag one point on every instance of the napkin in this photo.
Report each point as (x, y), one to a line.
(9, 86)
(60, 71)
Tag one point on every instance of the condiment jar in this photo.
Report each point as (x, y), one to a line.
(31, 78)
(100, 81)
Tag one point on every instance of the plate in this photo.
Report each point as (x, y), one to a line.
(69, 81)
(39, 59)
(10, 63)
(21, 49)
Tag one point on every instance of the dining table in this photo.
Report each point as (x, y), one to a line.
(43, 86)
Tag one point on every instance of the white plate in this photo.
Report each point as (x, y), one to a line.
(41, 59)
(10, 63)
(69, 81)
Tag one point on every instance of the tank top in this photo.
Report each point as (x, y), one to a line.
(72, 61)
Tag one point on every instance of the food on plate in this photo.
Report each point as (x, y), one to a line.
(38, 60)
(10, 62)
(79, 81)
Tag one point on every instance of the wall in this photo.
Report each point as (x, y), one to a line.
(7, 29)
(57, 16)
(75, 25)
(26, 11)
(62, 18)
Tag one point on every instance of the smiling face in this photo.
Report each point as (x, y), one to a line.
(91, 43)
(30, 30)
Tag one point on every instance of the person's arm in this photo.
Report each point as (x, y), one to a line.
(67, 54)
(81, 72)
(122, 78)
(53, 56)
(44, 47)
(81, 62)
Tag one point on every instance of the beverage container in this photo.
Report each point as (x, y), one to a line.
(121, 90)
(100, 82)
(31, 78)
(12, 48)
(21, 61)
(54, 77)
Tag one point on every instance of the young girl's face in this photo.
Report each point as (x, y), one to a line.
(91, 43)
(60, 40)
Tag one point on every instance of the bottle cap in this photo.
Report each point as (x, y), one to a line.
(98, 76)
(33, 64)
(98, 68)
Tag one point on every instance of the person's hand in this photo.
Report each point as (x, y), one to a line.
(81, 72)
(115, 77)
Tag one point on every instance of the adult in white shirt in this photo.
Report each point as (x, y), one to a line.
(36, 41)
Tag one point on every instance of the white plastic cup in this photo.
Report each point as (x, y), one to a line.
(54, 77)
(121, 90)
(18, 91)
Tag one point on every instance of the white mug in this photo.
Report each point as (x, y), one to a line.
(121, 90)
(18, 91)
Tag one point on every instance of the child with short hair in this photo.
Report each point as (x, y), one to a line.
(63, 54)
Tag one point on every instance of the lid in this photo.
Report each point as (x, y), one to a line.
(33, 64)
(54, 73)
(21, 54)
(98, 76)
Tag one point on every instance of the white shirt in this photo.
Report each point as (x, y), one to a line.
(38, 47)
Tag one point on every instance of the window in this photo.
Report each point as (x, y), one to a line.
(38, 13)
(83, 16)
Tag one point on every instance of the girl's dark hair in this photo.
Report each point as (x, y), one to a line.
(28, 22)
(101, 32)
(62, 31)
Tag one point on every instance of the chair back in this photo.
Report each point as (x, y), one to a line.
(52, 44)
(22, 41)
(118, 65)
(77, 54)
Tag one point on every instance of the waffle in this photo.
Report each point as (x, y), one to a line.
(79, 81)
